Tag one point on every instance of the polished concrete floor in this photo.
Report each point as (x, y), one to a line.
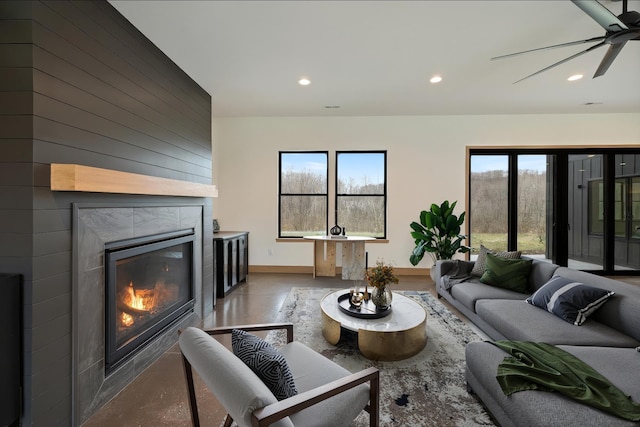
(158, 397)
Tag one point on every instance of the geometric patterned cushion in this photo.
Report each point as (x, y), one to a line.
(506, 273)
(569, 300)
(480, 264)
(266, 361)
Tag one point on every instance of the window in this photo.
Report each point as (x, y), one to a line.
(361, 192)
(491, 178)
(626, 207)
(577, 206)
(635, 207)
(489, 188)
(596, 207)
(303, 193)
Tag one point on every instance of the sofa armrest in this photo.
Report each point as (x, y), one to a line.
(445, 267)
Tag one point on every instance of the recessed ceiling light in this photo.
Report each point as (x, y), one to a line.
(575, 77)
(435, 79)
(304, 81)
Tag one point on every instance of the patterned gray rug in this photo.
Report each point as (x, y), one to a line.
(427, 389)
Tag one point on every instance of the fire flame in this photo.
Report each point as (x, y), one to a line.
(126, 319)
(146, 299)
(138, 299)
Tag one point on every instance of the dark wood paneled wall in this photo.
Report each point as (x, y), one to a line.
(79, 84)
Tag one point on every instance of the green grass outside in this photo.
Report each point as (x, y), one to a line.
(527, 243)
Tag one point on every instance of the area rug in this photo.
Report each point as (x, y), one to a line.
(427, 389)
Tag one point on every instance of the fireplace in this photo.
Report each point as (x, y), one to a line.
(149, 285)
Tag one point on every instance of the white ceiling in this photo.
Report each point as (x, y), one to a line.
(376, 57)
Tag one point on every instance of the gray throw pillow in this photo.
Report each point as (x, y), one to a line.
(266, 362)
(481, 262)
(569, 300)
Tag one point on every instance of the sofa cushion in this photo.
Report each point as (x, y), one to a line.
(336, 411)
(569, 300)
(621, 312)
(541, 272)
(507, 273)
(519, 321)
(266, 361)
(467, 293)
(480, 263)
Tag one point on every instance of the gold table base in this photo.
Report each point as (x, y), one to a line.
(380, 345)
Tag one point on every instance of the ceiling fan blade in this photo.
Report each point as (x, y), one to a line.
(606, 62)
(562, 61)
(601, 15)
(593, 39)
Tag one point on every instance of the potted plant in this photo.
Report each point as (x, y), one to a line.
(380, 277)
(438, 233)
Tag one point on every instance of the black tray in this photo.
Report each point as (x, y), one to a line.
(367, 310)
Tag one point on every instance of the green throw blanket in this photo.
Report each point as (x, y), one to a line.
(540, 366)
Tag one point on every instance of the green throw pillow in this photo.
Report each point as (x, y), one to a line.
(506, 273)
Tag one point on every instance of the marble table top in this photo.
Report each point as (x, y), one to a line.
(405, 314)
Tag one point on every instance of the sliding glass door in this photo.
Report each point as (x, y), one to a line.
(533, 205)
(502, 201)
(586, 208)
(627, 212)
(489, 202)
(578, 207)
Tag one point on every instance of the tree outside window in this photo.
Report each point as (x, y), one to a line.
(303, 197)
(361, 192)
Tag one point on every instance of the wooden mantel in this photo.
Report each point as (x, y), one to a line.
(69, 177)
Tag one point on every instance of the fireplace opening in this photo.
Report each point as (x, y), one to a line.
(149, 286)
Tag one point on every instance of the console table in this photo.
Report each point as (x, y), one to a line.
(230, 260)
(353, 256)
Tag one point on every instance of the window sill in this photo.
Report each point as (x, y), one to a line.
(300, 239)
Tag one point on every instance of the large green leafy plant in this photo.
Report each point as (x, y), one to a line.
(438, 233)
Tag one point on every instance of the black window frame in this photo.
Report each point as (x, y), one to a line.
(383, 195)
(558, 168)
(281, 193)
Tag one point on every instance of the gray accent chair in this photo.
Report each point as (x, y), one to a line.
(328, 395)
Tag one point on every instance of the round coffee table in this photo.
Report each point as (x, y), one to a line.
(397, 336)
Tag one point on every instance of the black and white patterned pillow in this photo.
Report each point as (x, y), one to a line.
(480, 265)
(569, 300)
(266, 361)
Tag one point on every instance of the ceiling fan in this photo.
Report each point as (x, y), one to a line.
(619, 30)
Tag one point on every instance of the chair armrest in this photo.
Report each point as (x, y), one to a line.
(282, 409)
(252, 328)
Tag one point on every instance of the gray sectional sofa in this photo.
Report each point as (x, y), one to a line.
(606, 341)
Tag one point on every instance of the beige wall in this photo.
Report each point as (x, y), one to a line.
(426, 164)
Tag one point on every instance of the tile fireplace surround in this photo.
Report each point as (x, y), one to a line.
(95, 225)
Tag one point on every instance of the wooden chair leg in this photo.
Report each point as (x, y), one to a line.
(193, 406)
(228, 421)
(374, 402)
